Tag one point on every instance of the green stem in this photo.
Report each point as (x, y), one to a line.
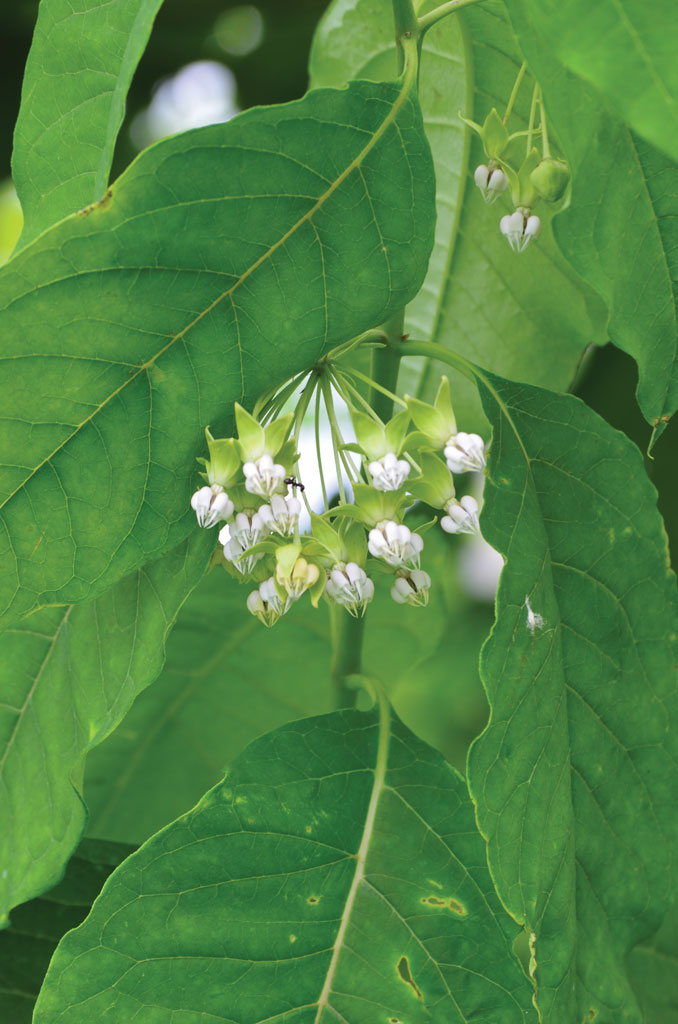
(431, 350)
(533, 113)
(318, 449)
(386, 364)
(337, 439)
(545, 146)
(347, 641)
(514, 92)
(434, 16)
(406, 23)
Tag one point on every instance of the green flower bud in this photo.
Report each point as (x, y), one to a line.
(437, 421)
(223, 464)
(435, 486)
(550, 178)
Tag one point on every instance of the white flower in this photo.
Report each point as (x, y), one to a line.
(462, 516)
(491, 181)
(282, 515)
(211, 504)
(465, 452)
(395, 543)
(238, 537)
(412, 588)
(266, 603)
(520, 227)
(263, 477)
(350, 586)
(389, 473)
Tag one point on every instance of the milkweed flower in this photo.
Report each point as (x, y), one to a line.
(264, 477)
(465, 452)
(282, 515)
(350, 586)
(389, 473)
(520, 228)
(395, 544)
(462, 516)
(412, 588)
(211, 504)
(491, 181)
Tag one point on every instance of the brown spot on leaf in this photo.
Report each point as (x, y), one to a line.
(405, 973)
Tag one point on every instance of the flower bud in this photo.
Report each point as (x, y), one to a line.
(550, 179)
(395, 544)
(519, 228)
(302, 576)
(462, 516)
(264, 477)
(389, 473)
(211, 504)
(350, 587)
(412, 588)
(465, 453)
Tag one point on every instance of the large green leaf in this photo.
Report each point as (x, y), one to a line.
(529, 317)
(79, 69)
(67, 677)
(223, 260)
(336, 874)
(227, 680)
(574, 777)
(626, 50)
(26, 947)
(620, 231)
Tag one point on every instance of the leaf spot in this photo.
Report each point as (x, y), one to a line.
(534, 620)
(312, 899)
(293, 938)
(592, 1014)
(451, 904)
(406, 976)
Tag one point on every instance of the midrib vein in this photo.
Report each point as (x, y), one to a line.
(144, 367)
(363, 849)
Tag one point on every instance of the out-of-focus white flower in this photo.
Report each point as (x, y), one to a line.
(266, 603)
(264, 477)
(395, 544)
(520, 228)
(211, 505)
(282, 515)
(462, 516)
(350, 586)
(412, 588)
(389, 472)
(465, 452)
(491, 181)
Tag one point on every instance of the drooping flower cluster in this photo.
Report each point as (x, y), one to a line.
(537, 177)
(251, 491)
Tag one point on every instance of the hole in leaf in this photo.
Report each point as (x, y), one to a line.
(406, 976)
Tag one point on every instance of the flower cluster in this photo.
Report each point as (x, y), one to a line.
(251, 491)
(535, 178)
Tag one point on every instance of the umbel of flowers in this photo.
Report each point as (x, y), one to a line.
(252, 494)
(532, 178)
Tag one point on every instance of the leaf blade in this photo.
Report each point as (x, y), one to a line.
(581, 853)
(404, 973)
(70, 115)
(67, 678)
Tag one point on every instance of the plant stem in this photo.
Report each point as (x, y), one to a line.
(533, 113)
(545, 147)
(347, 641)
(386, 364)
(514, 92)
(406, 22)
(434, 16)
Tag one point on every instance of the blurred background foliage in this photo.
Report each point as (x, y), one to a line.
(205, 62)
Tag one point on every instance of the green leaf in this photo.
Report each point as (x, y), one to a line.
(529, 317)
(67, 677)
(227, 680)
(78, 72)
(620, 232)
(574, 777)
(26, 947)
(653, 967)
(223, 260)
(335, 874)
(621, 49)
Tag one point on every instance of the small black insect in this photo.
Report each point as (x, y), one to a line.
(292, 482)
